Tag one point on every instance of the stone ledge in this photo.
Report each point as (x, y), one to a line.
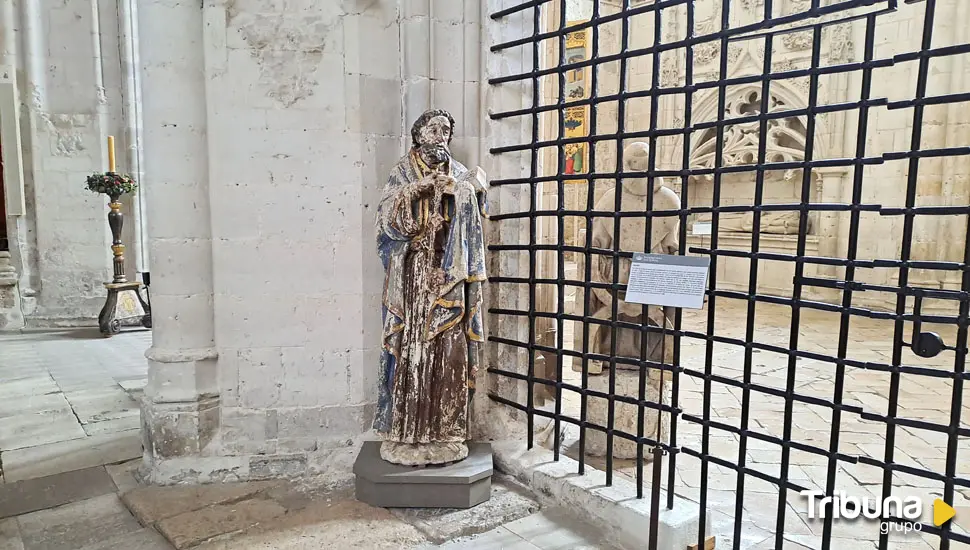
(610, 507)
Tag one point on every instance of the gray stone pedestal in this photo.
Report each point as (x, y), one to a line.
(463, 484)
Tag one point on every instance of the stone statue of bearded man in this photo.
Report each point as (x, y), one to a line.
(431, 242)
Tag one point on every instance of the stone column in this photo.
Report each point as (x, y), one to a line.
(832, 228)
(180, 411)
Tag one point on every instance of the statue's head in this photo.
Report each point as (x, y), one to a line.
(636, 157)
(431, 135)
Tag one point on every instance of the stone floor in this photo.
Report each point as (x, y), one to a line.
(68, 419)
(69, 443)
(921, 397)
(66, 400)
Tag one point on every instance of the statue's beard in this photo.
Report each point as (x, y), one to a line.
(434, 154)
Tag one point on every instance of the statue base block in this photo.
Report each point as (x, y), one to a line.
(462, 484)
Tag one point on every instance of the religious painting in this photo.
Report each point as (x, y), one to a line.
(576, 52)
(574, 157)
(576, 88)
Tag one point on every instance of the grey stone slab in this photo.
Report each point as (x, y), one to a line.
(131, 420)
(15, 406)
(96, 405)
(47, 492)
(33, 385)
(332, 524)
(372, 467)
(497, 539)
(556, 529)
(145, 539)
(75, 454)
(509, 502)
(77, 525)
(131, 385)
(39, 428)
(10, 535)
(193, 528)
(460, 485)
(123, 475)
(152, 504)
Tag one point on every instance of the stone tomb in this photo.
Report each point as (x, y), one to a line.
(462, 484)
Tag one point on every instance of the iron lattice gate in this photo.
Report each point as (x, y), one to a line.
(819, 159)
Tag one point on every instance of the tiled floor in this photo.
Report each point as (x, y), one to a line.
(550, 529)
(66, 400)
(862, 436)
(68, 416)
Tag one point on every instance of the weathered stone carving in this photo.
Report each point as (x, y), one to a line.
(664, 233)
(431, 243)
(777, 223)
(632, 238)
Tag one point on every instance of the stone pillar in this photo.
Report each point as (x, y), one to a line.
(832, 228)
(501, 421)
(180, 411)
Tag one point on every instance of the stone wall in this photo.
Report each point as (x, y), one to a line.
(66, 62)
(271, 128)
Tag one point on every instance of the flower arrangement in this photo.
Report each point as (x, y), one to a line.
(111, 184)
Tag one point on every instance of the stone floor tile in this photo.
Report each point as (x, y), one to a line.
(10, 535)
(555, 529)
(77, 525)
(31, 404)
(39, 428)
(75, 454)
(122, 421)
(153, 504)
(497, 539)
(33, 385)
(144, 539)
(47, 492)
(193, 528)
(123, 475)
(508, 502)
(132, 385)
(97, 405)
(335, 525)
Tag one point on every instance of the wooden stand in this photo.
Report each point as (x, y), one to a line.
(124, 307)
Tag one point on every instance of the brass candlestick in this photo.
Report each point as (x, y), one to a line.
(124, 305)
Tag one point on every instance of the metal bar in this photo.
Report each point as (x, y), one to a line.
(750, 313)
(904, 255)
(712, 278)
(681, 250)
(533, 236)
(588, 257)
(560, 240)
(618, 206)
(842, 277)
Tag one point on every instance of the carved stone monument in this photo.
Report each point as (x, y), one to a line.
(632, 238)
(431, 242)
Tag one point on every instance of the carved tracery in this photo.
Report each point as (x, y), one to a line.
(784, 138)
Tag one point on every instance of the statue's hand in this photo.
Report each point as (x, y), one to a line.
(425, 185)
(447, 183)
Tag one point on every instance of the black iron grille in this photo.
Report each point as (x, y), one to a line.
(831, 282)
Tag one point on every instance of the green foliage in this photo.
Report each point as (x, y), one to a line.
(111, 184)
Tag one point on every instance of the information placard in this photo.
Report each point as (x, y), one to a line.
(668, 280)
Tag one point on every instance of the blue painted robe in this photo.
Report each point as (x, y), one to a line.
(433, 323)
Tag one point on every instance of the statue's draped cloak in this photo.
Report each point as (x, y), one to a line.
(431, 306)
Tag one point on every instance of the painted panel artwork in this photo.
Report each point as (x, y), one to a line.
(575, 155)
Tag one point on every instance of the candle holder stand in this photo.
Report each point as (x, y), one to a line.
(124, 305)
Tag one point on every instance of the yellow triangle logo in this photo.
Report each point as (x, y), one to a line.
(942, 512)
